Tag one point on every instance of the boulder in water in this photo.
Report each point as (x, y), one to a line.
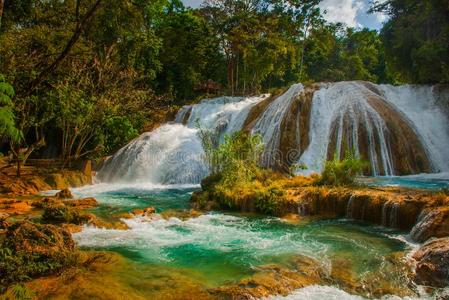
(432, 222)
(64, 194)
(433, 263)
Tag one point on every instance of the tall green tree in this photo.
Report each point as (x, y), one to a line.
(416, 39)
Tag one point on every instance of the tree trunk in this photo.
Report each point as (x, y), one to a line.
(2, 3)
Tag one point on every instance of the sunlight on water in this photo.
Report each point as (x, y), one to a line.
(225, 248)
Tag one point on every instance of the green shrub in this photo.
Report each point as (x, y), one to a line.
(235, 159)
(267, 200)
(342, 172)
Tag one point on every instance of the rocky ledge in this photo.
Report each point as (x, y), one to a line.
(424, 214)
(432, 267)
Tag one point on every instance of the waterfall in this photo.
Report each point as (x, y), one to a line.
(173, 152)
(344, 106)
(269, 123)
(390, 211)
(424, 107)
(398, 130)
(349, 208)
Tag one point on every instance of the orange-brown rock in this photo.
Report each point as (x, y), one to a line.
(35, 180)
(64, 194)
(47, 201)
(15, 206)
(433, 222)
(273, 280)
(144, 212)
(82, 203)
(433, 263)
(39, 239)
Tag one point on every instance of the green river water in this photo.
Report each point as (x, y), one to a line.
(215, 249)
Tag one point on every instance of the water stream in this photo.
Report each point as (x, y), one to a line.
(224, 248)
(389, 126)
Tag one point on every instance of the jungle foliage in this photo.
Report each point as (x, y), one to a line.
(81, 78)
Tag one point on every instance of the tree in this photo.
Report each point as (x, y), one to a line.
(8, 128)
(416, 39)
(189, 54)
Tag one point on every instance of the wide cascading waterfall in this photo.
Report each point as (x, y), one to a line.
(358, 117)
(172, 154)
(398, 130)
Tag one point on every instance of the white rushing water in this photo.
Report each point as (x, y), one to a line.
(172, 154)
(419, 106)
(153, 236)
(269, 123)
(423, 106)
(331, 104)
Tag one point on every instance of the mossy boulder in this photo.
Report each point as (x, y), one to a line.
(30, 250)
(60, 213)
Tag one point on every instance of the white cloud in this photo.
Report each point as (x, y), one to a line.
(193, 3)
(344, 11)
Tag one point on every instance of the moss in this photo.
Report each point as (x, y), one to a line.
(31, 250)
(59, 213)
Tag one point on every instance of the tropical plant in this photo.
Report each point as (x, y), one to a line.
(342, 171)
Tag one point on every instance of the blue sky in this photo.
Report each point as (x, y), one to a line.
(351, 12)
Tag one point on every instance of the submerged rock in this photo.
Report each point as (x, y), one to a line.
(274, 280)
(144, 212)
(433, 263)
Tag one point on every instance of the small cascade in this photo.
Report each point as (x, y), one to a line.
(269, 123)
(394, 210)
(349, 208)
(390, 211)
(183, 114)
(385, 211)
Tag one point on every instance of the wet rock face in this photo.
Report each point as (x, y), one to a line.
(432, 223)
(380, 134)
(433, 263)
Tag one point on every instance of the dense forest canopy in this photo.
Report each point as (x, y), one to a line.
(89, 75)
